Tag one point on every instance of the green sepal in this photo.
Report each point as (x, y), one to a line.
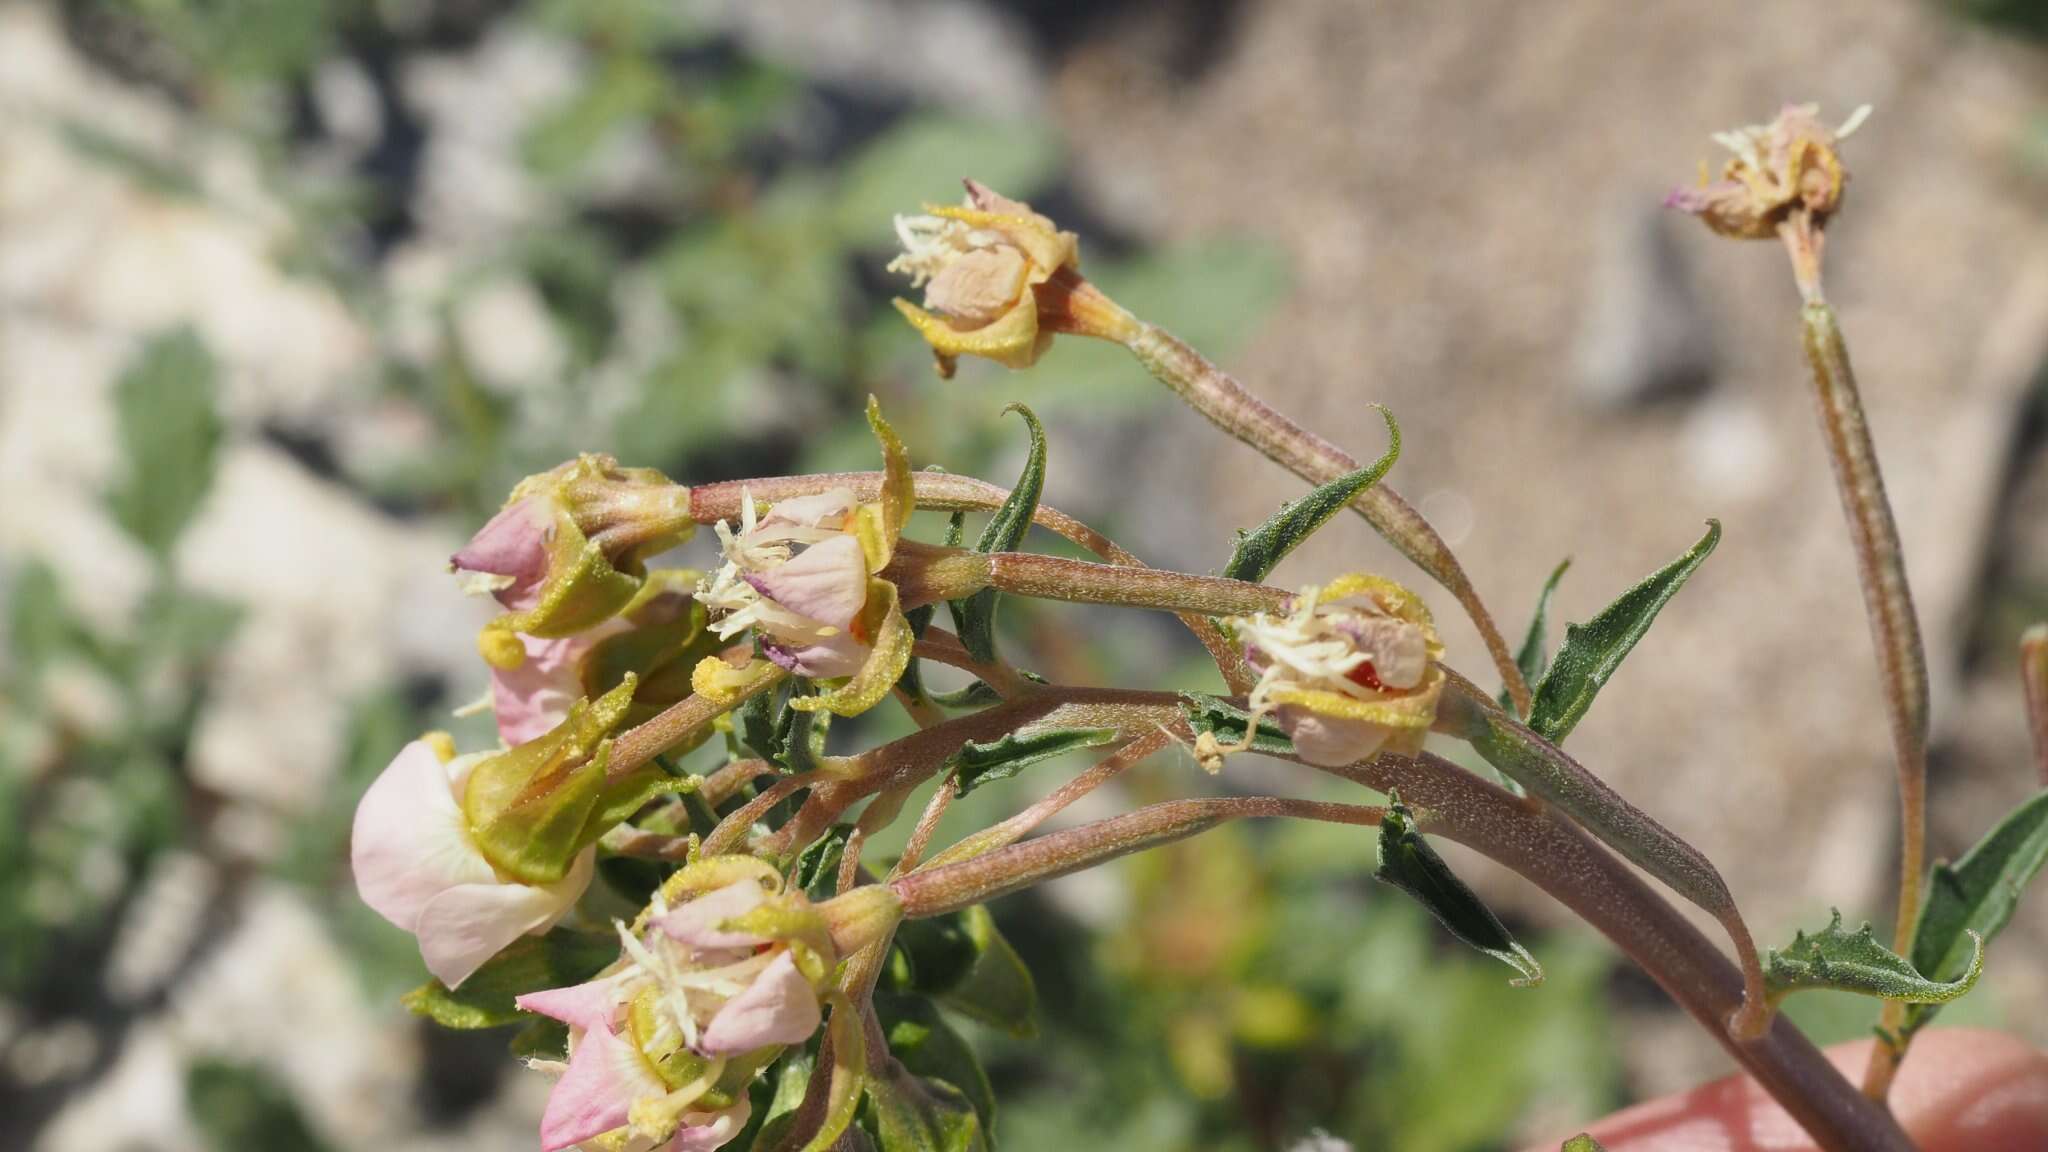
(1593, 650)
(1227, 723)
(977, 764)
(669, 636)
(1975, 897)
(1583, 1142)
(531, 809)
(910, 1113)
(1409, 863)
(582, 589)
(1856, 962)
(528, 964)
(975, 616)
(921, 1039)
(849, 1073)
(1259, 551)
(1533, 657)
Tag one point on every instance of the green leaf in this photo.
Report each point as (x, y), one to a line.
(933, 955)
(929, 1047)
(913, 1114)
(975, 616)
(1227, 722)
(1592, 651)
(528, 964)
(1533, 658)
(923, 160)
(169, 436)
(1969, 902)
(817, 866)
(1582, 1143)
(241, 1106)
(1408, 862)
(977, 764)
(997, 990)
(1856, 962)
(975, 695)
(544, 1039)
(1259, 551)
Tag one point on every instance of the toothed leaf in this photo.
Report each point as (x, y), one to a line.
(977, 764)
(1856, 962)
(1227, 722)
(1261, 549)
(1593, 650)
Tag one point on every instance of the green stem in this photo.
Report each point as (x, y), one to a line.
(1235, 409)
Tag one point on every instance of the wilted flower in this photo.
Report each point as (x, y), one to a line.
(418, 866)
(1789, 163)
(722, 971)
(1348, 671)
(987, 270)
(568, 551)
(804, 578)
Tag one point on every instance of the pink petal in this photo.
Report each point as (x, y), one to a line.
(840, 655)
(779, 1007)
(1399, 651)
(827, 582)
(589, 1005)
(532, 699)
(1331, 741)
(710, 1131)
(467, 925)
(697, 922)
(595, 1095)
(980, 286)
(828, 509)
(513, 543)
(409, 844)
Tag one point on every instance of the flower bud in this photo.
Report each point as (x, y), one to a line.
(1349, 670)
(568, 551)
(721, 972)
(1790, 163)
(998, 280)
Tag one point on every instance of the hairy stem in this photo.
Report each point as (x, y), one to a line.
(1602, 890)
(1024, 823)
(685, 719)
(2034, 680)
(1232, 407)
(936, 891)
(1894, 628)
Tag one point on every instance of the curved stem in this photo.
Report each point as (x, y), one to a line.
(1023, 823)
(1606, 893)
(1234, 408)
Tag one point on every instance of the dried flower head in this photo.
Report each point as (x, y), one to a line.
(1790, 163)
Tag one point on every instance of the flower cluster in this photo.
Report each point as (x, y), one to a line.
(721, 972)
(1348, 671)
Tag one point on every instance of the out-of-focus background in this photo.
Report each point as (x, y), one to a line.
(292, 292)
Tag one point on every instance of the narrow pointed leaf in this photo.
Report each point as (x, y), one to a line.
(849, 1073)
(528, 964)
(1593, 650)
(1533, 658)
(1973, 899)
(1227, 722)
(978, 764)
(1261, 549)
(1408, 862)
(975, 616)
(1856, 962)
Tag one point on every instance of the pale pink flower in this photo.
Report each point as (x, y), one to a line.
(533, 698)
(508, 557)
(416, 864)
(798, 576)
(715, 991)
